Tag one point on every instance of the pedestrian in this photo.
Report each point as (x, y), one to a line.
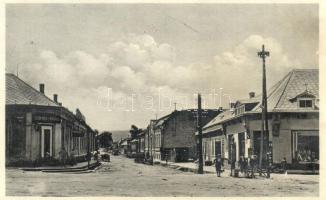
(218, 165)
(242, 164)
(72, 157)
(63, 156)
(283, 165)
(246, 166)
(96, 155)
(253, 163)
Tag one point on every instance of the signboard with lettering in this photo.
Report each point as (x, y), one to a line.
(46, 118)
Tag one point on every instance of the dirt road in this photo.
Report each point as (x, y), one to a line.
(123, 177)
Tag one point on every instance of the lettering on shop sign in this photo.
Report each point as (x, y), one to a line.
(46, 118)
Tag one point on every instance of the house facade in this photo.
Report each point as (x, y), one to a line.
(174, 135)
(293, 123)
(38, 127)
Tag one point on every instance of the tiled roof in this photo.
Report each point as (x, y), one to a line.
(19, 92)
(279, 96)
(293, 84)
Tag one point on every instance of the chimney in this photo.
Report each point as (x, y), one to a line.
(42, 88)
(251, 95)
(55, 98)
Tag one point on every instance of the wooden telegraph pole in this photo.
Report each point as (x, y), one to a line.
(264, 121)
(200, 137)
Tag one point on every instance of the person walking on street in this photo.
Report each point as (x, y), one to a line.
(63, 156)
(218, 165)
(283, 164)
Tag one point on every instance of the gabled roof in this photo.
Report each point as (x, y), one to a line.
(161, 121)
(19, 92)
(305, 94)
(293, 84)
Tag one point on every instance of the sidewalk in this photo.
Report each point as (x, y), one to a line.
(78, 166)
(192, 167)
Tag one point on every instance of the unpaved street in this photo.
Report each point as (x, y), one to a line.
(123, 177)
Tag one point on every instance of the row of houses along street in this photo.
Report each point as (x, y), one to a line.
(38, 130)
(234, 133)
(90, 88)
(42, 135)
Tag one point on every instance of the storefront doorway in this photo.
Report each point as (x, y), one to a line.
(218, 148)
(46, 141)
(256, 144)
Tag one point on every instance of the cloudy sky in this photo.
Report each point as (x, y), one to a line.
(126, 64)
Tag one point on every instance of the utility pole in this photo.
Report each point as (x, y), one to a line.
(200, 138)
(264, 120)
(175, 106)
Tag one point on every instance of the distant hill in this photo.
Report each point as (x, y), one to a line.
(117, 135)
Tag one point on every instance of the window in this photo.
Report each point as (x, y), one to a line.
(305, 146)
(305, 103)
(240, 110)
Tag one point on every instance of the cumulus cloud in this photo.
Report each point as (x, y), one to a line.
(139, 65)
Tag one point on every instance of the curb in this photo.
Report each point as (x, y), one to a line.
(81, 169)
(69, 169)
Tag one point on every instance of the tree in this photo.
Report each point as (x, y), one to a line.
(105, 139)
(134, 131)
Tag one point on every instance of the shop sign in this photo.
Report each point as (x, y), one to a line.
(46, 118)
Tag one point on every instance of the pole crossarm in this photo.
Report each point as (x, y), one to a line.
(263, 54)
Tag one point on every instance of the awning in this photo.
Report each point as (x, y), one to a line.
(213, 128)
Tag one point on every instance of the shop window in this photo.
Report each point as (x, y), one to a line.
(305, 146)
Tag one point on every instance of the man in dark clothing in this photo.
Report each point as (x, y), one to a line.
(218, 165)
(63, 156)
(283, 165)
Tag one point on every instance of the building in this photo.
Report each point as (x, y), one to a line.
(172, 137)
(141, 142)
(137, 145)
(38, 127)
(124, 146)
(152, 148)
(293, 123)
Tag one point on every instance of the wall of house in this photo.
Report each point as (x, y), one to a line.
(235, 129)
(16, 134)
(157, 143)
(288, 123)
(209, 147)
(57, 140)
(180, 131)
(28, 135)
(24, 129)
(36, 143)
